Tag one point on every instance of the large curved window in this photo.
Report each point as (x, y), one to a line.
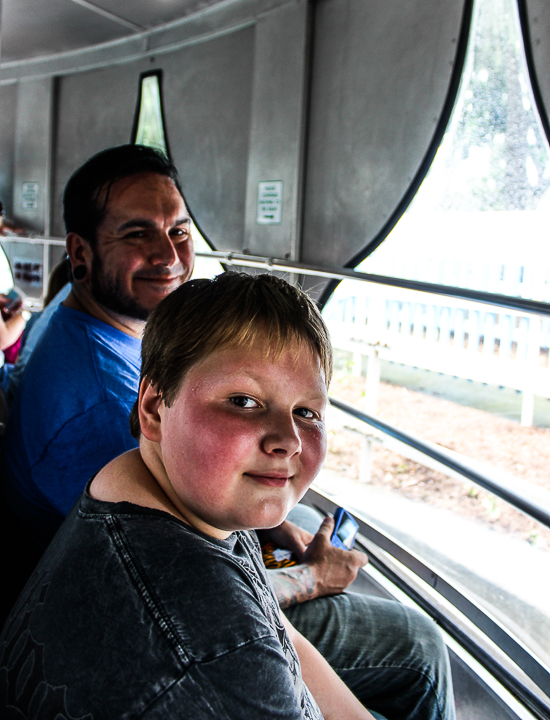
(459, 374)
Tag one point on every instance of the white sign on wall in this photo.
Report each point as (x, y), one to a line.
(270, 202)
(29, 195)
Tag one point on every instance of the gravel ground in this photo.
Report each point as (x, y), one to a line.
(520, 451)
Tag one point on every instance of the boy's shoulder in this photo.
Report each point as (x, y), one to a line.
(222, 574)
(111, 571)
(214, 593)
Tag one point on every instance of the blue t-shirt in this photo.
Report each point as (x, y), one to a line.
(69, 416)
(35, 333)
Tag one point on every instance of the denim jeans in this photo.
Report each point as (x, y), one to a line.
(392, 657)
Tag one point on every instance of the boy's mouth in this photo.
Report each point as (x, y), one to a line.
(271, 479)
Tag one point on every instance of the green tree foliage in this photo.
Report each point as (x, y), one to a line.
(497, 153)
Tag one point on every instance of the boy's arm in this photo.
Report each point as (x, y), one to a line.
(325, 570)
(335, 700)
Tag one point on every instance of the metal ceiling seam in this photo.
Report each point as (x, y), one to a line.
(232, 15)
(138, 54)
(109, 15)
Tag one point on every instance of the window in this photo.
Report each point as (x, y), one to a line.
(457, 373)
(149, 130)
(149, 118)
(480, 217)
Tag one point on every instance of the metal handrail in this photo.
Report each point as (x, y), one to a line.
(531, 501)
(519, 654)
(34, 240)
(341, 273)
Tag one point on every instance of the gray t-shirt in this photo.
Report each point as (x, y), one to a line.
(133, 614)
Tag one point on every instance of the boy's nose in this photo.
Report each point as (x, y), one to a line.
(282, 438)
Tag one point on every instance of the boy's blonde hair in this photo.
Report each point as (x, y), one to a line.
(230, 310)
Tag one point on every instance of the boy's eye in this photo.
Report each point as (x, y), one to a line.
(305, 413)
(243, 401)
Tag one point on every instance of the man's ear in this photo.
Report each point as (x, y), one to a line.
(79, 251)
(149, 404)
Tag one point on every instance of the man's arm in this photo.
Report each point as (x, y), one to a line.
(335, 700)
(324, 570)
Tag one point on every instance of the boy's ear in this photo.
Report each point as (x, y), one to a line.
(149, 402)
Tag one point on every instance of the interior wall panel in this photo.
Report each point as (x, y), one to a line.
(8, 100)
(95, 110)
(32, 154)
(277, 126)
(381, 72)
(538, 38)
(207, 96)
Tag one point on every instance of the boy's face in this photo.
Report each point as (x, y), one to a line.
(245, 436)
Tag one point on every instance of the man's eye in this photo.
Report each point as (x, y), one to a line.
(180, 233)
(305, 413)
(243, 401)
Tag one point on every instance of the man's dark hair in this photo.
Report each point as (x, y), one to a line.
(87, 191)
(231, 310)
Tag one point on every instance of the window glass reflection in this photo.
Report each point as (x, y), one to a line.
(480, 217)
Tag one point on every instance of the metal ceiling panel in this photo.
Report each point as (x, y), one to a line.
(34, 28)
(380, 76)
(8, 100)
(151, 13)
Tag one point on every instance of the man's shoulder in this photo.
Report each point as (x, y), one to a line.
(72, 371)
(78, 348)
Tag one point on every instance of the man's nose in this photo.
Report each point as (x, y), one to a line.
(282, 437)
(163, 250)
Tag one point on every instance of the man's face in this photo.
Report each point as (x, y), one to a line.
(245, 436)
(144, 248)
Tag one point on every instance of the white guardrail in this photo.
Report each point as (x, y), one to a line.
(384, 319)
(457, 337)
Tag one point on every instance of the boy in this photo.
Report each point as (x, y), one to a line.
(152, 600)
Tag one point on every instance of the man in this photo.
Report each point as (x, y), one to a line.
(129, 243)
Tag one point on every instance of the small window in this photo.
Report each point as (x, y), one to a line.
(149, 129)
(149, 117)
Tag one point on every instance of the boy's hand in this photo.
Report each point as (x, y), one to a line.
(325, 570)
(333, 568)
(291, 537)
